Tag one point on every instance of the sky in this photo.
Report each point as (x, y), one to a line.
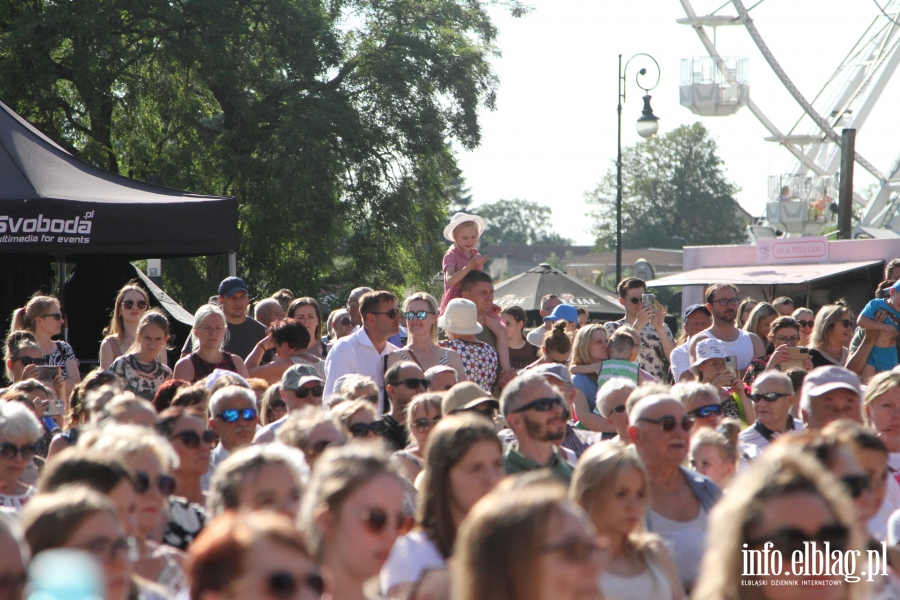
(553, 134)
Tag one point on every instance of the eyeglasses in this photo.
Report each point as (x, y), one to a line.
(192, 439)
(619, 408)
(361, 430)
(856, 485)
(419, 314)
(669, 422)
(723, 302)
(770, 397)
(10, 451)
(276, 405)
(847, 323)
(283, 585)
(376, 520)
(787, 340)
(345, 321)
(575, 550)
(164, 483)
(27, 360)
(806, 323)
(422, 425)
(106, 549)
(231, 415)
(414, 383)
(392, 314)
(542, 404)
(303, 392)
(789, 539)
(57, 316)
(706, 411)
(129, 304)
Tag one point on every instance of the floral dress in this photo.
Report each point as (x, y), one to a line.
(480, 361)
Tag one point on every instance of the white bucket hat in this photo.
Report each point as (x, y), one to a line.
(460, 218)
(460, 317)
(707, 349)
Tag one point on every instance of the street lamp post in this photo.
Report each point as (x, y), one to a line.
(647, 126)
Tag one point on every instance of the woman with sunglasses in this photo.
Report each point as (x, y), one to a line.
(310, 431)
(422, 414)
(787, 499)
(832, 332)
(290, 340)
(258, 555)
(356, 419)
(43, 317)
(611, 484)
(544, 545)
(352, 513)
(807, 321)
(421, 313)
(701, 401)
(464, 461)
(19, 431)
(210, 330)
(307, 311)
(131, 304)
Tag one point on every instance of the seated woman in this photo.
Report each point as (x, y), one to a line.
(784, 334)
(421, 313)
(557, 346)
(709, 367)
(290, 340)
(131, 305)
(210, 330)
(77, 413)
(19, 431)
(140, 370)
(38, 397)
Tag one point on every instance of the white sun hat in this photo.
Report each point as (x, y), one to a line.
(460, 218)
(707, 349)
(460, 317)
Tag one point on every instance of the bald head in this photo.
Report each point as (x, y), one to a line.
(773, 381)
(655, 406)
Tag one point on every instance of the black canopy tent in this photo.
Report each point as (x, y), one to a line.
(56, 208)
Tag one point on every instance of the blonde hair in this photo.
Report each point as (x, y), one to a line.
(272, 393)
(128, 442)
(205, 311)
(718, 440)
(825, 320)
(116, 327)
(24, 318)
(879, 385)
(432, 399)
(341, 414)
(581, 354)
(759, 312)
(432, 306)
(50, 519)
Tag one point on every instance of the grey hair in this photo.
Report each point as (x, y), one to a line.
(119, 404)
(17, 421)
(202, 313)
(688, 390)
(515, 388)
(610, 387)
(224, 489)
(432, 371)
(228, 392)
(300, 424)
(264, 306)
(774, 376)
(645, 404)
(353, 383)
(128, 442)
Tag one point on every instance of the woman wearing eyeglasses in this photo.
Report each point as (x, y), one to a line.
(352, 513)
(831, 336)
(43, 317)
(421, 313)
(131, 304)
(807, 321)
(210, 330)
(192, 442)
(783, 335)
(257, 555)
(464, 461)
(290, 340)
(356, 419)
(19, 431)
(422, 414)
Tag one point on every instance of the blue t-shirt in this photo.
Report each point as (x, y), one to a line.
(588, 386)
(880, 304)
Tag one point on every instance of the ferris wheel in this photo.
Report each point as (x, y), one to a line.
(802, 201)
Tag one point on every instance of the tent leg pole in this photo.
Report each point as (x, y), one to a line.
(232, 264)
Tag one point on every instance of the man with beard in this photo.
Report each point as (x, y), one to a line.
(537, 415)
(722, 302)
(233, 417)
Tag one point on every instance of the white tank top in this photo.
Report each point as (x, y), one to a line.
(742, 347)
(686, 542)
(652, 584)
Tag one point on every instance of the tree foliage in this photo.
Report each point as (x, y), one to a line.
(328, 120)
(518, 222)
(674, 192)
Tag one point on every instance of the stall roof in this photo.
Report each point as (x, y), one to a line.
(761, 274)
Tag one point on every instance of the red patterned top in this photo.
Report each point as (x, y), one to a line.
(456, 259)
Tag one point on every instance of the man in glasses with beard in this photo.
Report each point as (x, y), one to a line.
(680, 499)
(722, 302)
(537, 414)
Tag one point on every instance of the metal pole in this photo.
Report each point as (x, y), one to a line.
(845, 200)
(619, 182)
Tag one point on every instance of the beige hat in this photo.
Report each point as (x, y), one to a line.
(465, 395)
(460, 218)
(460, 317)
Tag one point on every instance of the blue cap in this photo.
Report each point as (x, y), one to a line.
(566, 312)
(694, 308)
(896, 285)
(230, 285)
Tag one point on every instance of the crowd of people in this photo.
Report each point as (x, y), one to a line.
(410, 448)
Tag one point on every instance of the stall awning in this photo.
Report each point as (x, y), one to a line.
(761, 274)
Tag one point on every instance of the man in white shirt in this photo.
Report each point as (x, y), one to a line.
(363, 351)
(772, 397)
(722, 302)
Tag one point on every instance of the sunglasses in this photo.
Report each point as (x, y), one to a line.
(542, 404)
(847, 323)
(634, 300)
(164, 483)
(770, 397)
(376, 520)
(361, 430)
(345, 321)
(619, 408)
(706, 411)
(277, 405)
(414, 383)
(856, 484)
(422, 425)
(787, 340)
(231, 415)
(283, 585)
(669, 422)
(107, 549)
(392, 314)
(129, 304)
(27, 360)
(575, 550)
(10, 451)
(57, 316)
(303, 392)
(788, 539)
(419, 314)
(806, 323)
(192, 439)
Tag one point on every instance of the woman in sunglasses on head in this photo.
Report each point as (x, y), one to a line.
(352, 513)
(131, 304)
(421, 313)
(422, 414)
(258, 555)
(464, 461)
(832, 332)
(19, 430)
(43, 317)
(290, 340)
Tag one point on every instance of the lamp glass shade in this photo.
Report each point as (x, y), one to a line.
(648, 124)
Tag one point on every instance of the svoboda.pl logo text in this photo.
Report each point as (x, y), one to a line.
(815, 560)
(21, 229)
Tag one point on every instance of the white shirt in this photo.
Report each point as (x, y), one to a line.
(535, 337)
(410, 557)
(680, 360)
(878, 525)
(356, 354)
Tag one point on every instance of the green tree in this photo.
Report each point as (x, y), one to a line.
(328, 120)
(518, 222)
(674, 191)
